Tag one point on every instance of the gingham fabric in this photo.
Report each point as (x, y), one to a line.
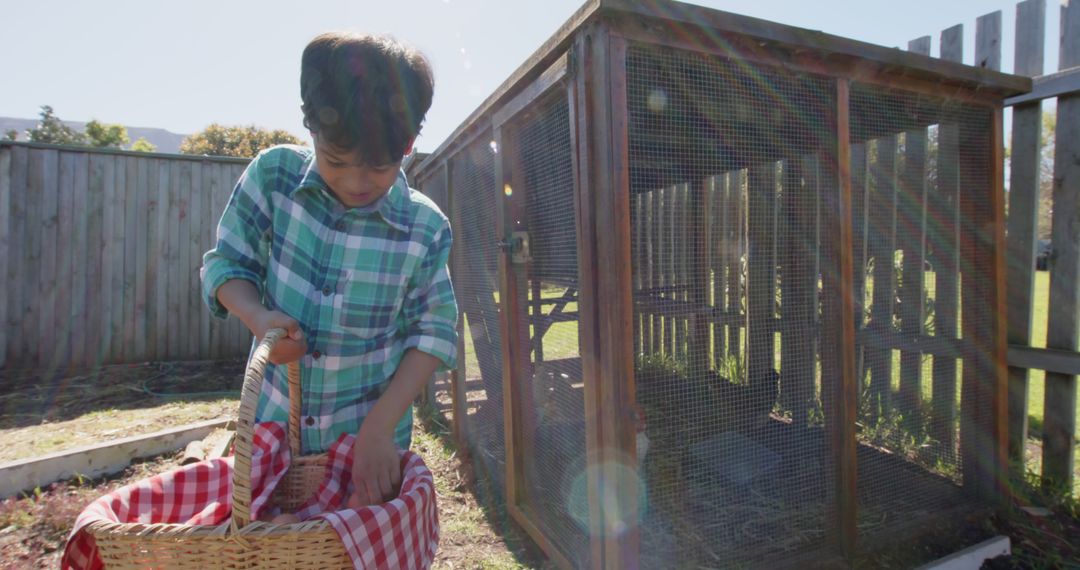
(365, 284)
(402, 533)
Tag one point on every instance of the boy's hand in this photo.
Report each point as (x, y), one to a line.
(376, 471)
(290, 348)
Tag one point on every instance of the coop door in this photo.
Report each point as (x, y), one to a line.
(539, 266)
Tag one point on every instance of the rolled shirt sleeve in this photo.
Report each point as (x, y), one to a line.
(241, 250)
(430, 309)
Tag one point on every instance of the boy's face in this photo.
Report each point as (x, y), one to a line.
(352, 182)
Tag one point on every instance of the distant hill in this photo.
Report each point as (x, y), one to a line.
(165, 141)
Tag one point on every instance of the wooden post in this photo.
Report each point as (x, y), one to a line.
(1023, 215)
(859, 219)
(944, 241)
(719, 259)
(1059, 426)
(983, 429)
(651, 273)
(839, 391)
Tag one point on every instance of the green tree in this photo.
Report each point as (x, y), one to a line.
(11, 134)
(50, 129)
(106, 136)
(244, 142)
(143, 145)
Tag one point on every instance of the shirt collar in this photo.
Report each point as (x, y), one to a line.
(393, 207)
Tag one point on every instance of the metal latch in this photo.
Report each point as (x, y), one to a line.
(517, 247)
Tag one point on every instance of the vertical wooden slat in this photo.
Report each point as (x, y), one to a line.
(911, 222)
(154, 328)
(206, 241)
(859, 220)
(5, 248)
(1023, 213)
(761, 284)
(718, 260)
(635, 264)
(33, 294)
(119, 215)
(839, 391)
(1063, 332)
(944, 241)
(652, 214)
(193, 249)
(798, 297)
(183, 259)
(697, 272)
(458, 396)
(172, 256)
(94, 295)
(131, 258)
(665, 254)
(17, 260)
(63, 242)
(882, 236)
(737, 225)
(79, 268)
(54, 190)
(988, 41)
(142, 169)
(161, 246)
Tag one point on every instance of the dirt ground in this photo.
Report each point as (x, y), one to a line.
(55, 413)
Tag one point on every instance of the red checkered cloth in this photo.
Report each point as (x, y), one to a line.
(402, 533)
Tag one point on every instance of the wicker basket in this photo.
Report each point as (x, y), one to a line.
(240, 543)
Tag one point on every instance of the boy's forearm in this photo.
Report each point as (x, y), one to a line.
(411, 377)
(241, 298)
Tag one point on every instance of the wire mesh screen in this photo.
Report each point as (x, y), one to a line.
(472, 184)
(920, 189)
(439, 395)
(725, 172)
(553, 390)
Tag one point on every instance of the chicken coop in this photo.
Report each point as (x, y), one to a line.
(731, 292)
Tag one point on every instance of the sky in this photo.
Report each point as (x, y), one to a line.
(184, 65)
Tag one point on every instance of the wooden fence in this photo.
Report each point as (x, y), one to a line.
(1059, 359)
(100, 252)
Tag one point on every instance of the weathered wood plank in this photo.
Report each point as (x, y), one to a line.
(699, 271)
(761, 283)
(116, 208)
(79, 333)
(1065, 362)
(652, 273)
(18, 293)
(109, 296)
(737, 237)
(944, 242)
(859, 221)
(62, 243)
(206, 241)
(1049, 86)
(717, 258)
(5, 248)
(1023, 213)
(131, 260)
(911, 214)
(154, 327)
(177, 173)
(1063, 332)
(191, 275)
(882, 236)
(142, 177)
(988, 41)
(183, 260)
(798, 293)
(55, 192)
(94, 295)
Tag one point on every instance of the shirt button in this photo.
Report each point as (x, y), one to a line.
(310, 421)
(326, 290)
(340, 226)
(316, 355)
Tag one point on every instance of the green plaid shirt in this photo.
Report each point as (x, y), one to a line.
(365, 284)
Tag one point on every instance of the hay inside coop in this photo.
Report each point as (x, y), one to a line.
(712, 272)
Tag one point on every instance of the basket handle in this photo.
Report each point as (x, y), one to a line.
(245, 425)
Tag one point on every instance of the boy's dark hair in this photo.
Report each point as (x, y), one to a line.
(365, 93)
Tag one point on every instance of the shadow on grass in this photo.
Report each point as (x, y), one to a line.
(30, 398)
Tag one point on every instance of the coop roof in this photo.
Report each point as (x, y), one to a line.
(660, 17)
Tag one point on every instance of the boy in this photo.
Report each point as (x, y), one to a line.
(334, 247)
